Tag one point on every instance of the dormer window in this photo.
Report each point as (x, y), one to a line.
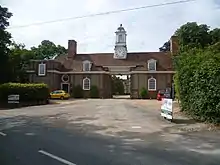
(86, 65)
(152, 65)
(41, 69)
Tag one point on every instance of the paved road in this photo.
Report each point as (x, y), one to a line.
(98, 132)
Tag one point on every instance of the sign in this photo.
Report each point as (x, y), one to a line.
(167, 108)
(13, 99)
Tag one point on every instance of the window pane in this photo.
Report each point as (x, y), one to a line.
(41, 69)
(86, 84)
(87, 67)
(152, 84)
(152, 66)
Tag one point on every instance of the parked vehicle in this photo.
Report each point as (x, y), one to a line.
(59, 94)
(163, 93)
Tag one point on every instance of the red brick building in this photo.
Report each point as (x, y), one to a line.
(152, 70)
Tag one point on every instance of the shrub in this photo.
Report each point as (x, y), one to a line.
(27, 92)
(77, 92)
(94, 92)
(143, 93)
(199, 84)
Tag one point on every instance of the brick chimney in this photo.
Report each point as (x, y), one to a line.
(72, 48)
(174, 46)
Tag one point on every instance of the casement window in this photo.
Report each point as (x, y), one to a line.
(152, 84)
(152, 65)
(41, 69)
(86, 65)
(86, 84)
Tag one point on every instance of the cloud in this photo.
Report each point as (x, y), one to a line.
(147, 29)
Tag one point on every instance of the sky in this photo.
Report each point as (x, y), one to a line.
(147, 29)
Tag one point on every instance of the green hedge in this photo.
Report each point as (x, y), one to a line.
(77, 91)
(27, 92)
(94, 92)
(143, 93)
(198, 83)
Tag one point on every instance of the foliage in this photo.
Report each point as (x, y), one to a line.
(94, 92)
(165, 47)
(47, 50)
(77, 91)
(117, 86)
(199, 83)
(4, 42)
(27, 92)
(143, 93)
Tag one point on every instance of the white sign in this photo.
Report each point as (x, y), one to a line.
(167, 108)
(13, 98)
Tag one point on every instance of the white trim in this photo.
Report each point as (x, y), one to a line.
(63, 77)
(102, 72)
(41, 74)
(86, 78)
(152, 61)
(61, 85)
(155, 80)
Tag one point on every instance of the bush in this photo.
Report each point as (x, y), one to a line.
(199, 84)
(27, 92)
(143, 93)
(94, 92)
(77, 92)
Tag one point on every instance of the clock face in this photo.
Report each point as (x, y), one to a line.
(121, 52)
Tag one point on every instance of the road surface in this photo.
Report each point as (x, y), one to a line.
(101, 132)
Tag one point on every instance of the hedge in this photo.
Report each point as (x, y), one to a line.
(94, 92)
(27, 92)
(143, 93)
(77, 92)
(198, 84)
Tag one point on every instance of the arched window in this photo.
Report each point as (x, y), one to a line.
(86, 83)
(152, 65)
(152, 84)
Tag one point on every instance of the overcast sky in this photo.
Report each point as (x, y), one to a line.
(147, 29)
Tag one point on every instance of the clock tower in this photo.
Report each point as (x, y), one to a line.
(120, 44)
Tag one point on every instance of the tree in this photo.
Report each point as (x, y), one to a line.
(117, 86)
(4, 43)
(18, 60)
(47, 50)
(165, 47)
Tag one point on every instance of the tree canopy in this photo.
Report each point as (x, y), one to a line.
(5, 40)
(197, 65)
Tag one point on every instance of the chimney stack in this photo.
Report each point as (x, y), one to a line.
(174, 46)
(72, 47)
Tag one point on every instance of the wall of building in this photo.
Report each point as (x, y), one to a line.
(140, 80)
(51, 79)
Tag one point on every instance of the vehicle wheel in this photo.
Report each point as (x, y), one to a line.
(61, 97)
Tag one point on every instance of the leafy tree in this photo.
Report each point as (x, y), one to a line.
(215, 35)
(193, 35)
(143, 93)
(4, 43)
(165, 47)
(47, 50)
(18, 60)
(117, 86)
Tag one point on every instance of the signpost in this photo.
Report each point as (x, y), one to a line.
(13, 99)
(167, 108)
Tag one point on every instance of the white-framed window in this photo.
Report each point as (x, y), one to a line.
(86, 65)
(152, 84)
(86, 84)
(41, 69)
(152, 65)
